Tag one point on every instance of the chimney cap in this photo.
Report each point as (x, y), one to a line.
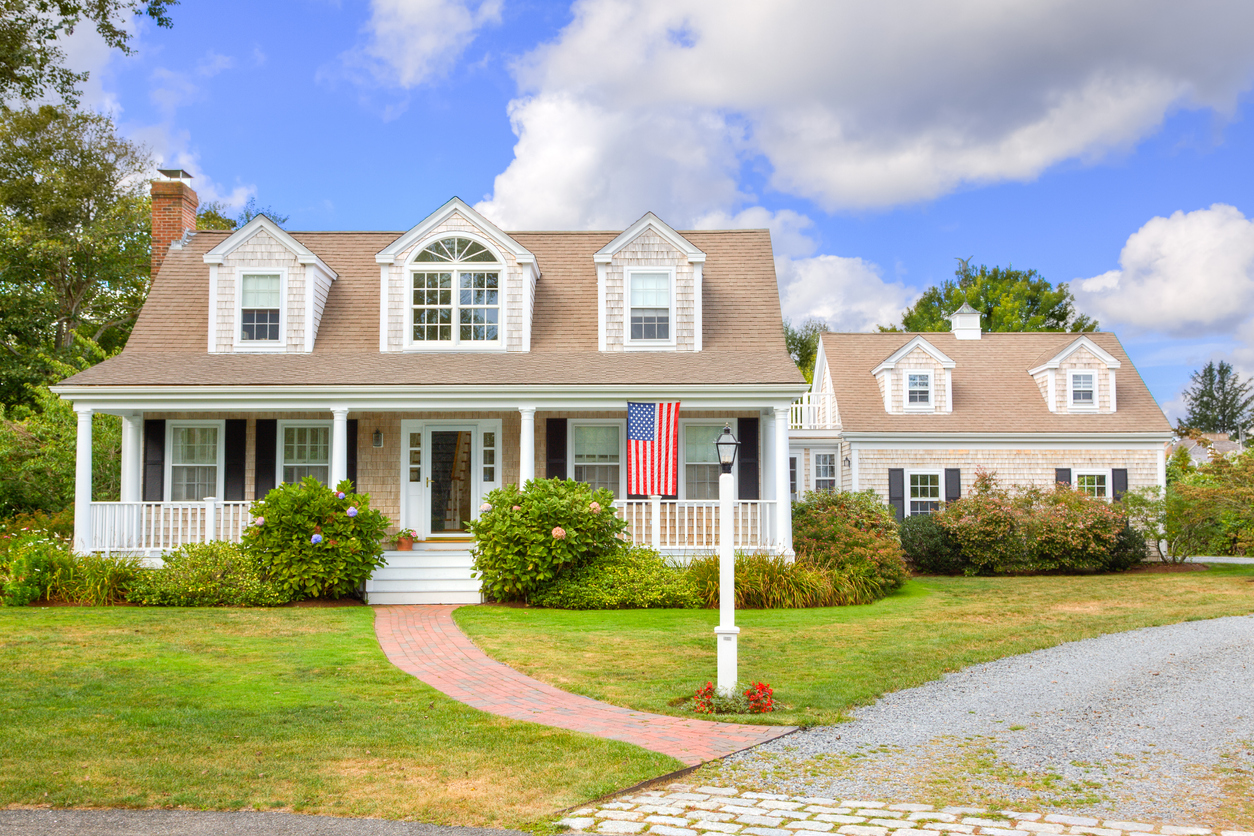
(174, 174)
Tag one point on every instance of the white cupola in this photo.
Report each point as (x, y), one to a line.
(965, 323)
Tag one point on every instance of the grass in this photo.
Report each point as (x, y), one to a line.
(821, 662)
(293, 709)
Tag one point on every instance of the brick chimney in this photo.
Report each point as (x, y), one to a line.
(173, 212)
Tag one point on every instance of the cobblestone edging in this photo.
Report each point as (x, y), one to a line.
(684, 810)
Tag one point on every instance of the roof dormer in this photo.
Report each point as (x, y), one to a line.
(649, 290)
(916, 378)
(267, 291)
(1078, 379)
(456, 282)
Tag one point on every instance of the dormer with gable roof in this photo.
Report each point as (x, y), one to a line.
(649, 290)
(267, 291)
(1079, 379)
(456, 282)
(916, 378)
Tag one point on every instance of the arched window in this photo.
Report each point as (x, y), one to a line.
(456, 286)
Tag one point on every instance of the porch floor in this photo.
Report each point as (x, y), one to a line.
(424, 641)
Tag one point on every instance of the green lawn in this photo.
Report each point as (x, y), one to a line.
(287, 708)
(822, 662)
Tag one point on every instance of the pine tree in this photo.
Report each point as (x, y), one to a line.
(1219, 401)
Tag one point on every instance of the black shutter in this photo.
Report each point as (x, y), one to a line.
(154, 460)
(953, 484)
(750, 463)
(263, 460)
(1120, 478)
(897, 491)
(352, 452)
(1062, 475)
(234, 445)
(554, 448)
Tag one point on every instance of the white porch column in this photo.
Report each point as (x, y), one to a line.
(339, 445)
(82, 482)
(769, 491)
(527, 446)
(132, 456)
(783, 507)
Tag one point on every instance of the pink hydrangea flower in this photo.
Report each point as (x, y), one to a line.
(352, 511)
(595, 507)
(259, 521)
(517, 507)
(559, 533)
(485, 507)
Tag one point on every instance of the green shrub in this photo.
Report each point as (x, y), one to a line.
(312, 541)
(93, 580)
(854, 535)
(1130, 550)
(928, 547)
(636, 578)
(525, 539)
(207, 575)
(29, 563)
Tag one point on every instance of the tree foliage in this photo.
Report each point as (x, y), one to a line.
(1007, 299)
(1219, 401)
(215, 214)
(803, 344)
(32, 63)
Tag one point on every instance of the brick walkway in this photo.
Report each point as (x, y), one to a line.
(422, 640)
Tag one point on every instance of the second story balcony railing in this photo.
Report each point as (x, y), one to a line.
(814, 412)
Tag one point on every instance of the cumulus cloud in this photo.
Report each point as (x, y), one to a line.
(408, 42)
(1185, 275)
(850, 105)
(849, 294)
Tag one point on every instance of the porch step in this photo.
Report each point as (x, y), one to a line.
(452, 560)
(425, 576)
(385, 598)
(423, 585)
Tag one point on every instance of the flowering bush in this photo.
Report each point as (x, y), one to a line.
(853, 535)
(758, 698)
(30, 562)
(207, 575)
(308, 544)
(527, 538)
(761, 698)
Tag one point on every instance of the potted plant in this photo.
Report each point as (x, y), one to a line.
(404, 539)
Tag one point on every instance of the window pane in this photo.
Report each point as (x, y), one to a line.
(650, 323)
(595, 444)
(919, 386)
(260, 291)
(650, 290)
(598, 476)
(192, 483)
(433, 307)
(701, 481)
(195, 445)
(924, 492)
(699, 444)
(296, 473)
(1082, 388)
(306, 445)
(259, 325)
(1093, 484)
(825, 471)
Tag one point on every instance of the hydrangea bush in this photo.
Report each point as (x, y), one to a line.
(525, 539)
(207, 575)
(312, 541)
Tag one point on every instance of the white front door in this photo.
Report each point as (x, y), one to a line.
(447, 466)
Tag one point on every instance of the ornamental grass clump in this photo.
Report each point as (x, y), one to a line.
(526, 539)
(312, 541)
(633, 579)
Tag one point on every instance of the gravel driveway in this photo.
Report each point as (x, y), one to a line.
(1155, 724)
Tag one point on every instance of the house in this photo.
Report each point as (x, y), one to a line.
(914, 416)
(429, 367)
(1206, 448)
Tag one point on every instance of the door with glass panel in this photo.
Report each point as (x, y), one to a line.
(447, 469)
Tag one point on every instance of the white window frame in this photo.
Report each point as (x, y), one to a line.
(684, 423)
(278, 451)
(1077, 472)
(170, 426)
(796, 476)
(906, 406)
(500, 267)
(621, 423)
(940, 486)
(814, 467)
(260, 346)
(1072, 406)
(648, 345)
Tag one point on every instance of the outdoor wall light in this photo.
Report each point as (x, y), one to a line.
(727, 445)
(378, 438)
(846, 461)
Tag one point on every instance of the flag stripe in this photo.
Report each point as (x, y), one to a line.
(653, 449)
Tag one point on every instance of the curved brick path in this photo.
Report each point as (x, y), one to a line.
(422, 640)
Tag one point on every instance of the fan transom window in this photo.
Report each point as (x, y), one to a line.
(456, 306)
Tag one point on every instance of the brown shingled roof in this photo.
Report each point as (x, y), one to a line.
(742, 340)
(993, 391)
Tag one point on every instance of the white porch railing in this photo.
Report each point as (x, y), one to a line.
(160, 526)
(814, 412)
(693, 525)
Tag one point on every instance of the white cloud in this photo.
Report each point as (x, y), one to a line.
(849, 294)
(788, 228)
(1188, 275)
(411, 41)
(850, 105)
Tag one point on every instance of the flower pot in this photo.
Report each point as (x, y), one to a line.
(405, 544)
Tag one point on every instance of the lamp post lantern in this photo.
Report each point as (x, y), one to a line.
(726, 632)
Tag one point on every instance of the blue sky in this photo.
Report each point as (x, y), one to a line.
(1108, 145)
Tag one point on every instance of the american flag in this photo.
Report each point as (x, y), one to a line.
(653, 449)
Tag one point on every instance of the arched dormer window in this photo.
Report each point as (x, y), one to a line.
(456, 295)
